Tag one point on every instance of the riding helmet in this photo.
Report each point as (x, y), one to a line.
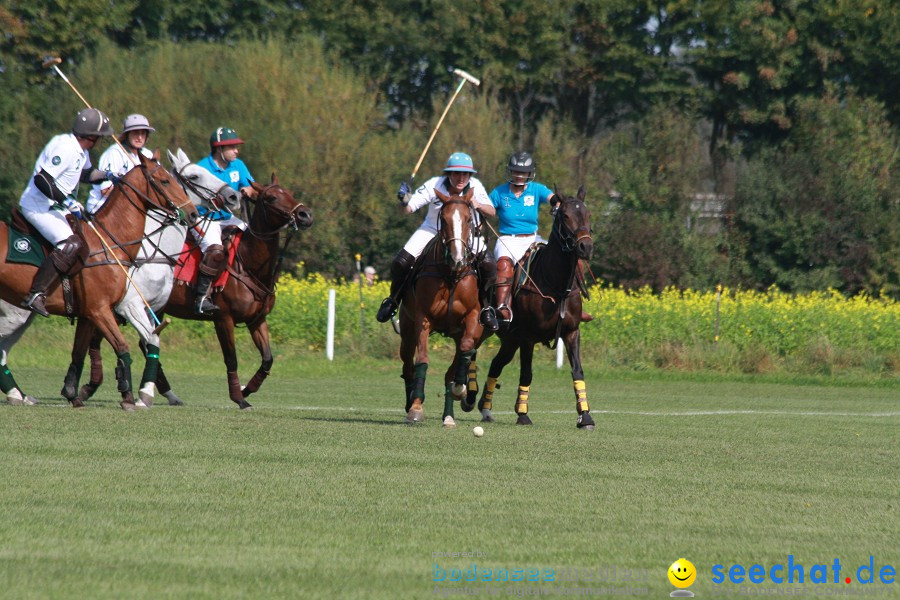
(460, 162)
(136, 123)
(224, 136)
(521, 162)
(92, 122)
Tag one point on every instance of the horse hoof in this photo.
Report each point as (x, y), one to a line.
(127, 406)
(415, 417)
(524, 420)
(468, 403)
(140, 404)
(76, 402)
(86, 391)
(29, 400)
(68, 392)
(486, 416)
(449, 422)
(174, 400)
(458, 391)
(585, 421)
(244, 405)
(146, 395)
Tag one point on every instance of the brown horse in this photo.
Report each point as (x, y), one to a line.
(547, 307)
(101, 283)
(249, 294)
(443, 299)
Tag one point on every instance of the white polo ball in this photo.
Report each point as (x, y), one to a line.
(478, 431)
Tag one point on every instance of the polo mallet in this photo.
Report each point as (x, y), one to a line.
(464, 77)
(53, 62)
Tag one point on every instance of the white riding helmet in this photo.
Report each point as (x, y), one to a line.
(135, 123)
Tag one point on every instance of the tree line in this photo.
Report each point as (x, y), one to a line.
(786, 110)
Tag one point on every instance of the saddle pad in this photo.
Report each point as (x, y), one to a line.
(188, 266)
(24, 248)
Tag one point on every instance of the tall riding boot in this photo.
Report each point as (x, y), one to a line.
(44, 277)
(202, 304)
(400, 269)
(487, 272)
(505, 272)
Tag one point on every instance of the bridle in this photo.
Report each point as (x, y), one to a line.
(447, 242)
(201, 191)
(171, 209)
(290, 217)
(568, 238)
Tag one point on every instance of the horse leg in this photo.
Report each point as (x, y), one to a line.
(162, 382)
(134, 312)
(13, 323)
(573, 349)
(526, 355)
(95, 379)
(468, 402)
(506, 353)
(416, 413)
(259, 331)
(106, 323)
(84, 332)
(407, 355)
(225, 333)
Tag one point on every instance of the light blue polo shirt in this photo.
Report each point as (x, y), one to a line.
(236, 175)
(519, 215)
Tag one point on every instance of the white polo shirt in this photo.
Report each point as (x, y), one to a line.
(64, 159)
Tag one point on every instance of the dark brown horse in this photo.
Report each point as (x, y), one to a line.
(249, 294)
(101, 283)
(443, 299)
(547, 307)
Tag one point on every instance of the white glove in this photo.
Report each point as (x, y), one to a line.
(74, 207)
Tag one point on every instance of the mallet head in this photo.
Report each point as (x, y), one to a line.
(50, 61)
(470, 78)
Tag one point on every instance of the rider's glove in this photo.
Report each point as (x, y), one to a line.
(110, 176)
(404, 192)
(74, 206)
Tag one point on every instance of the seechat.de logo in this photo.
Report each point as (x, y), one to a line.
(682, 574)
(796, 572)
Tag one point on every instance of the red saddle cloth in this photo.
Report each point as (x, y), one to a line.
(188, 265)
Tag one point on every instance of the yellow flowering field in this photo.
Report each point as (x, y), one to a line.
(636, 323)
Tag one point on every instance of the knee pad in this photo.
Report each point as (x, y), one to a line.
(213, 261)
(66, 253)
(402, 264)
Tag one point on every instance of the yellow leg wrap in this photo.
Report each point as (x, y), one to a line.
(581, 403)
(487, 397)
(473, 377)
(522, 400)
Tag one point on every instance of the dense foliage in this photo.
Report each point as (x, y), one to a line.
(787, 111)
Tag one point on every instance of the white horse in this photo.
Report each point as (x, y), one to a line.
(152, 273)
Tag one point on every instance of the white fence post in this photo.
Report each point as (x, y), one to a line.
(329, 343)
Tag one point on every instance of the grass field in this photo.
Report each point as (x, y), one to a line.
(323, 492)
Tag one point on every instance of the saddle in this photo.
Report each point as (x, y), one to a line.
(188, 265)
(28, 246)
(422, 264)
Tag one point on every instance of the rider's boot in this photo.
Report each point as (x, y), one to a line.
(400, 269)
(212, 266)
(505, 271)
(60, 260)
(487, 269)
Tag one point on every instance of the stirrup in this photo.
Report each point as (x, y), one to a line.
(35, 303)
(488, 318)
(387, 310)
(500, 314)
(205, 307)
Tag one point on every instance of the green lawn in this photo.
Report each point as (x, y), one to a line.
(323, 492)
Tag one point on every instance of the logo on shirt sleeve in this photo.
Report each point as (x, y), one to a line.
(56, 160)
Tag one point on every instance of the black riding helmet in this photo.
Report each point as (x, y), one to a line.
(521, 162)
(92, 122)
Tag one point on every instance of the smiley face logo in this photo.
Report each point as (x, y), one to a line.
(682, 573)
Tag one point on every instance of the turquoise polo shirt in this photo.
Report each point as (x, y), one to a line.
(236, 175)
(519, 215)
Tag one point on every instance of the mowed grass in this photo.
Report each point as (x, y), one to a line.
(323, 492)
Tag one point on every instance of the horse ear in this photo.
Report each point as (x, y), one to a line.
(156, 155)
(183, 157)
(274, 178)
(172, 157)
(442, 197)
(581, 192)
(257, 186)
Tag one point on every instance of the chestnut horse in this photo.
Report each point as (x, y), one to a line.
(547, 307)
(249, 294)
(443, 299)
(101, 284)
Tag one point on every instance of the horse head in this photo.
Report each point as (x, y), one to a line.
(202, 186)
(149, 186)
(456, 229)
(279, 208)
(572, 225)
